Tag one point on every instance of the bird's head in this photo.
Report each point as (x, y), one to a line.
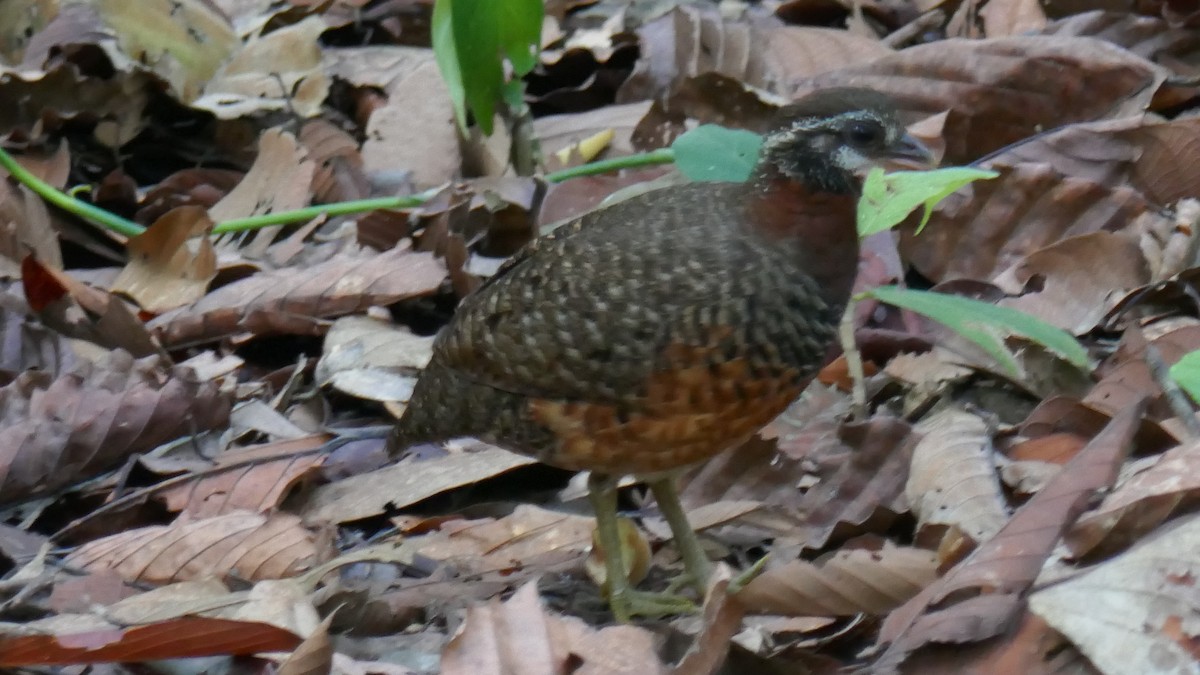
(829, 139)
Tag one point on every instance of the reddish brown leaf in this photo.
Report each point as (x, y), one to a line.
(179, 638)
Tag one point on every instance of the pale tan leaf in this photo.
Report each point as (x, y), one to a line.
(171, 263)
(845, 583)
(952, 480)
(249, 545)
(406, 483)
(281, 70)
(1136, 613)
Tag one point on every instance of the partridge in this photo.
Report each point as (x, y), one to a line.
(647, 336)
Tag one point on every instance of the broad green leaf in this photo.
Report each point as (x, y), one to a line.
(442, 33)
(986, 325)
(713, 153)
(887, 199)
(520, 32)
(477, 46)
(1186, 373)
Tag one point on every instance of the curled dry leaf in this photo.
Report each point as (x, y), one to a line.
(1141, 503)
(519, 636)
(1002, 90)
(297, 300)
(171, 263)
(281, 70)
(56, 432)
(249, 545)
(1137, 612)
(358, 346)
(722, 619)
(844, 583)
(314, 656)
(952, 481)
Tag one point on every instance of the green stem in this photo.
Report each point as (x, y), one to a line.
(310, 212)
(129, 228)
(652, 158)
(64, 201)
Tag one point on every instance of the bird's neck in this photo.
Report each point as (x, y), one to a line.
(817, 225)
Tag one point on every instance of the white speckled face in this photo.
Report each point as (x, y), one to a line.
(828, 152)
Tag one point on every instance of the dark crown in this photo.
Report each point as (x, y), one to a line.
(828, 139)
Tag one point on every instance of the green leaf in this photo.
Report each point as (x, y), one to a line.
(520, 32)
(713, 153)
(1186, 373)
(887, 199)
(477, 46)
(442, 33)
(986, 325)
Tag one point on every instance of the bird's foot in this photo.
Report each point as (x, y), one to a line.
(628, 603)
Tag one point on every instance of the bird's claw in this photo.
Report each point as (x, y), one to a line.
(628, 603)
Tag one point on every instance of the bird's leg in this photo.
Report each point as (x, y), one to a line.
(694, 560)
(625, 601)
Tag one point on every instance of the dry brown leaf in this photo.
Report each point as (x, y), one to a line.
(1077, 280)
(182, 41)
(866, 486)
(297, 300)
(1141, 503)
(1147, 154)
(314, 656)
(519, 636)
(521, 539)
(406, 483)
(178, 638)
(280, 180)
(339, 175)
(414, 130)
(257, 478)
(1003, 90)
(281, 70)
(1032, 649)
(952, 481)
(690, 41)
(1003, 568)
(722, 619)
(1012, 17)
(1173, 46)
(171, 263)
(56, 432)
(249, 545)
(1137, 612)
(990, 225)
(844, 583)
(360, 349)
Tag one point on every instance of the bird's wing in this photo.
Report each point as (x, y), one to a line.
(586, 313)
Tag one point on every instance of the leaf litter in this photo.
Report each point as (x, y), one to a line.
(166, 398)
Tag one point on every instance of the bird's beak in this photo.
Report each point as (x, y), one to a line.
(908, 153)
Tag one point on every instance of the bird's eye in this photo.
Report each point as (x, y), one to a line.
(863, 134)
